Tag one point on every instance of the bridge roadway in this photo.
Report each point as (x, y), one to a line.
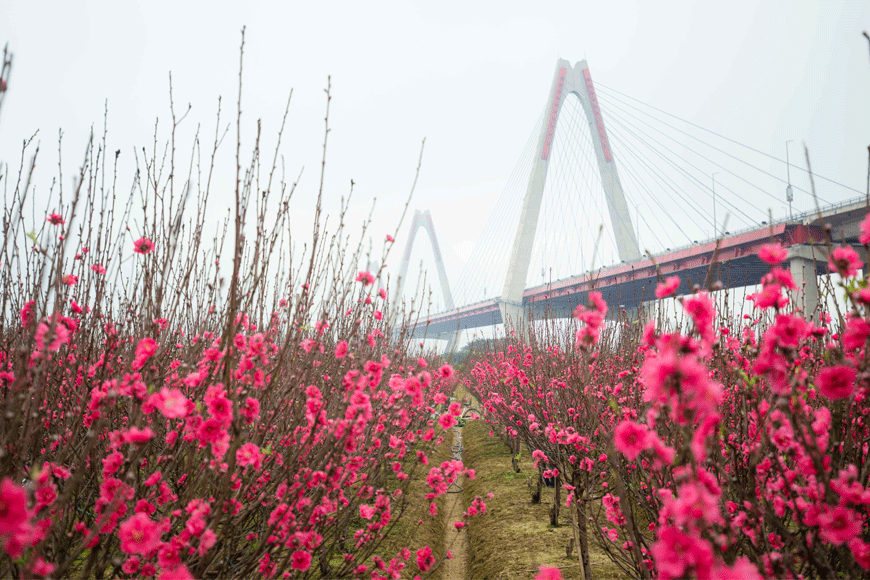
(628, 285)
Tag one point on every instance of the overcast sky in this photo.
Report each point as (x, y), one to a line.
(470, 77)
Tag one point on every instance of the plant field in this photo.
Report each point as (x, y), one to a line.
(254, 406)
(714, 448)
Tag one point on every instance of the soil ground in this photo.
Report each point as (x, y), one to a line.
(514, 538)
(455, 568)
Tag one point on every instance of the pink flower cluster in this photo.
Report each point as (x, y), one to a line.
(720, 449)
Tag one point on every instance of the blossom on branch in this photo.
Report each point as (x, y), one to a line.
(143, 246)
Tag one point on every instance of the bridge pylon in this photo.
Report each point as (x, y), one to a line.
(567, 80)
(424, 220)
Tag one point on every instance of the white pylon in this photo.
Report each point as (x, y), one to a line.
(424, 220)
(578, 81)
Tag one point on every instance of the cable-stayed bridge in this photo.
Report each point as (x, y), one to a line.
(610, 193)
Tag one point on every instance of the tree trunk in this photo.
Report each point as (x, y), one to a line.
(536, 496)
(578, 517)
(557, 502)
(580, 510)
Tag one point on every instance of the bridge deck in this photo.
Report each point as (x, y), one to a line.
(735, 263)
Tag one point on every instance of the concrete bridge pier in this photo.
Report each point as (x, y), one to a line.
(803, 261)
(453, 338)
(514, 317)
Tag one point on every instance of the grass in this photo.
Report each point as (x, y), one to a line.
(514, 538)
(409, 531)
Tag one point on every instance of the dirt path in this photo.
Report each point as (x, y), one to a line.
(455, 568)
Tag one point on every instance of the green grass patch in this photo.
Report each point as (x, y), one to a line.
(514, 537)
(409, 531)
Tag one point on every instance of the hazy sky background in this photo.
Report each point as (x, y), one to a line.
(470, 77)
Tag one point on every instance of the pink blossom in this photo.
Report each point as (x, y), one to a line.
(131, 565)
(206, 541)
(773, 254)
(307, 344)
(249, 454)
(218, 405)
(593, 317)
(111, 463)
(139, 535)
(55, 219)
(548, 573)
(366, 511)
(836, 382)
(446, 371)
(13, 507)
(701, 309)
(425, 559)
(58, 332)
(144, 350)
(864, 238)
(211, 431)
(695, 502)
(596, 302)
(845, 260)
(366, 278)
(860, 552)
(26, 312)
(41, 567)
(179, 572)
(668, 287)
(631, 438)
(251, 410)
(138, 436)
(168, 556)
(839, 525)
(680, 380)
(341, 349)
(676, 554)
(743, 569)
(447, 421)
(788, 331)
(143, 246)
(769, 297)
(300, 561)
(70, 280)
(45, 496)
(171, 403)
(857, 331)
(98, 268)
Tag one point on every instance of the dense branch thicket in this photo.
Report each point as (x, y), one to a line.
(164, 415)
(716, 448)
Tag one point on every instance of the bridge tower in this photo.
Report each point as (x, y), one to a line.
(567, 80)
(424, 220)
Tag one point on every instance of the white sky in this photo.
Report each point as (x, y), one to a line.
(470, 77)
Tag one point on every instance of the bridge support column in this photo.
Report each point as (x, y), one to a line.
(514, 317)
(802, 261)
(451, 343)
(451, 337)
